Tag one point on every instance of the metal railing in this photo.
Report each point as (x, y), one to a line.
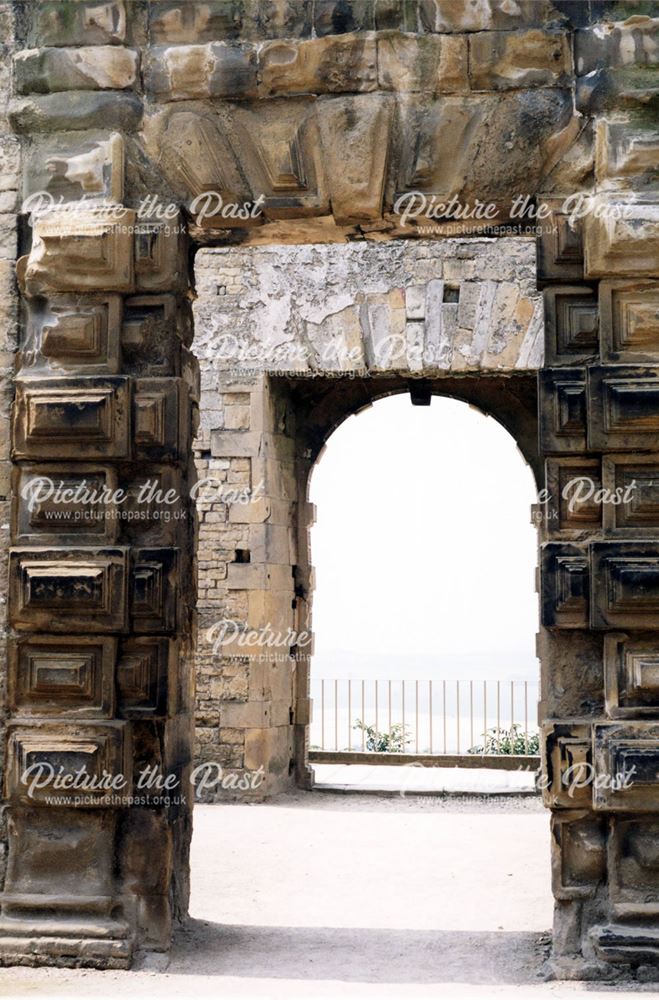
(434, 716)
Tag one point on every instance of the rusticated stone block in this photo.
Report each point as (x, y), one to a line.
(160, 258)
(629, 317)
(63, 749)
(565, 586)
(146, 678)
(57, 675)
(560, 244)
(153, 589)
(355, 135)
(502, 60)
(430, 63)
(73, 333)
(633, 482)
(160, 419)
(571, 324)
(568, 761)
(71, 167)
(60, 504)
(82, 251)
(335, 64)
(623, 407)
(54, 857)
(627, 753)
(563, 410)
(68, 418)
(631, 675)
(572, 484)
(186, 72)
(150, 344)
(622, 239)
(60, 22)
(578, 854)
(625, 584)
(82, 109)
(634, 867)
(178, 21)
(69, 590)
(99, 67)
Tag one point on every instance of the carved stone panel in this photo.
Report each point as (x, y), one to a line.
(60, 504)
(632, 484)
(56, 675)
(634, 867)
(578, 854)
(571, 324)
(562, 410)
(153, 595)
(146, 678)
(73, 334)
(62, 418)
(631, 675)
(625, 585)
(560, 245)
(564, 586)
(86, 250)
(160, 419)
(98, 750)
(629, 317)
(68, 590)
(568, 761)
(626, 761)
(623, 408)
(573, 485)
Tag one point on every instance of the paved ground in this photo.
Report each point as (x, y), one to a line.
(323, 895)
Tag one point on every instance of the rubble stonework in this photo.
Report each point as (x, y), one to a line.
(308, 147)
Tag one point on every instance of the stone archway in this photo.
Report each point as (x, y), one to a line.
(313, 124)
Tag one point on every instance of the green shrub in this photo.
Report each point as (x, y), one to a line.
(392, 741)
(508, 741)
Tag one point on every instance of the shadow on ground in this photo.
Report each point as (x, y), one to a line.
(358, 954)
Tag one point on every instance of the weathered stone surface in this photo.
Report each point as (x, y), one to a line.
(431, 63)
(480, 163)
(360, 301)
(76, 110)
(320, 66)
(195, 22)
(626, 154)
(355, 133)
(100, 67)
(500, 60)
(185, 72)
(608, 45)
(83, 250)
(622, 239)
(91, 22)
(483, 15)
(70, 167)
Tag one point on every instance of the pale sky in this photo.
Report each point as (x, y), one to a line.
(423, 547)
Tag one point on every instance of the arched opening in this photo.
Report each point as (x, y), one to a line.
(424, 608)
